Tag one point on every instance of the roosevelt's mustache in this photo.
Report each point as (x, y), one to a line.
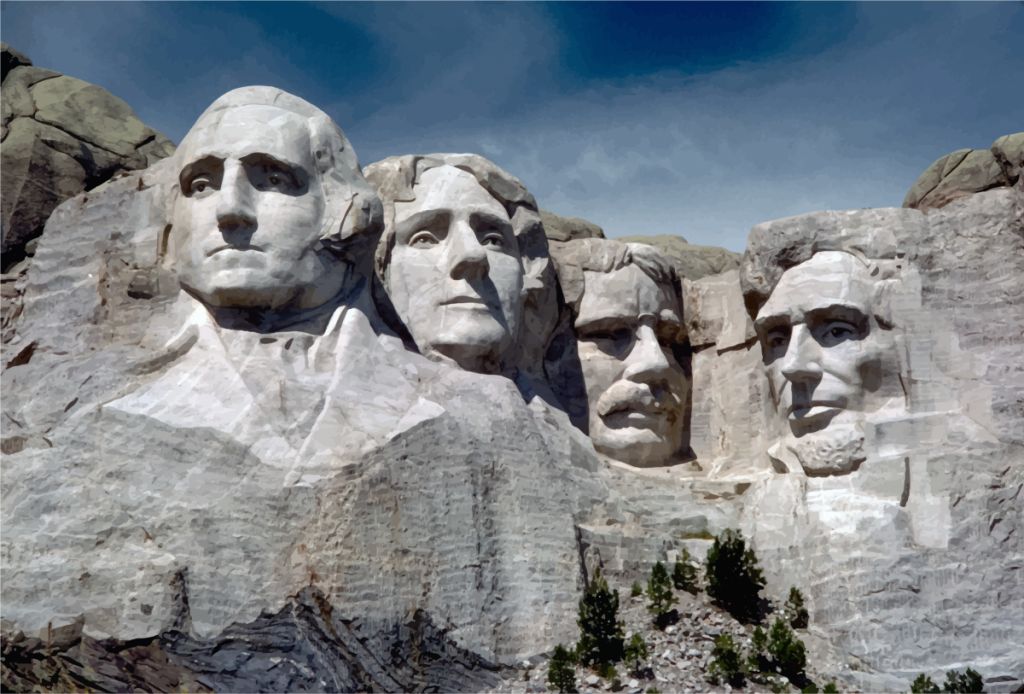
(627, 395)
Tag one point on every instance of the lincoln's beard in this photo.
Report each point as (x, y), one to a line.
(837, 449)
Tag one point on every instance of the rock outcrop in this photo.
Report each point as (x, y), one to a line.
(965, 172)
(61, 136)
(692, 261)
(559, 228)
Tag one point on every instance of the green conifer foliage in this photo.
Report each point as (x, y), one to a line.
(924, 685)
(659, 595)
(636, 652)
(969, 681)
(601, 636)
(728, 665)
(798, 617)
(734, 577)
(787, 652)
(684, 575)
(561, 674)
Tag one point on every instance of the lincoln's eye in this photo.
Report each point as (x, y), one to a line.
(200, 188)
(423, 239)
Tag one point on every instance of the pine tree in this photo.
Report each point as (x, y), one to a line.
(684, 575)
(734, 578)
(601, 636)
(659, 593)
(798, 617)
(561, 674)
(636, 652)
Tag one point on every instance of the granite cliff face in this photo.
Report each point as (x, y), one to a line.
(195, 506)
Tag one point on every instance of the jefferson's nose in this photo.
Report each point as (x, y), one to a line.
(646, 362)
(802, 361)
(467, 259)
(235, 199)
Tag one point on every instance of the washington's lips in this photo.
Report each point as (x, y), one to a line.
(233, 247)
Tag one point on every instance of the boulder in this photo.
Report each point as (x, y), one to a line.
(692, 261)
(559, 228)
(11, 59)
(61, 137)
(966, 172)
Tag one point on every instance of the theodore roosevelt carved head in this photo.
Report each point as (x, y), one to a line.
(626, 311)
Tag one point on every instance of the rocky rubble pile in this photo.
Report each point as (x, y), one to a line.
(679, 656)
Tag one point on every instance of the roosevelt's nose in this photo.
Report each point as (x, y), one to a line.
(646, 362)
(235, 199)
(467, 259)
(802, 361)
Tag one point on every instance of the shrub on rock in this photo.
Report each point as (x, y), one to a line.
(969, 681)
(601, 636)
(684, 575)
(734, 577)
(636, 652)
(795, 610)
(728, 665)
(561, 674)
(659, 593)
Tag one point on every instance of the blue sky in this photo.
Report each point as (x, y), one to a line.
(698, 119)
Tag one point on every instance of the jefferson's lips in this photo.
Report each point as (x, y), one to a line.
(234, 247)
(464, 300)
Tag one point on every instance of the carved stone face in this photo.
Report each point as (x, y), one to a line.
(636, 389)
(823, 347)
(247, 225)
(456, 276)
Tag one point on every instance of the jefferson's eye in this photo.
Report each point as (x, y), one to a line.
(493, 239)
(200, 185)
(610, 335)
(423, 239)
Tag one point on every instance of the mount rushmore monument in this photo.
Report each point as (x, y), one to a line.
(274, 421)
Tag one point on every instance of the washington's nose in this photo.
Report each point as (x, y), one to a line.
(802, 361)
(235, 201)
(467, 259)
(646, 362)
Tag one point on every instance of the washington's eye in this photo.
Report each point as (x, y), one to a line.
(423, 239)
(276, 180)
(840, 332)
(200, 188)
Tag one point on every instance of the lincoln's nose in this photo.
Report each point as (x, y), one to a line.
(802, 362)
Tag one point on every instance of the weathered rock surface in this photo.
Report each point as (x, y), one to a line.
(965, 172)
(692, 261)
(61, 136)
(559, 228)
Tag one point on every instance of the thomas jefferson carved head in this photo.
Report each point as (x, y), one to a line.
(829, 349)
(463, 250)
(268, 193)
(626, 308)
